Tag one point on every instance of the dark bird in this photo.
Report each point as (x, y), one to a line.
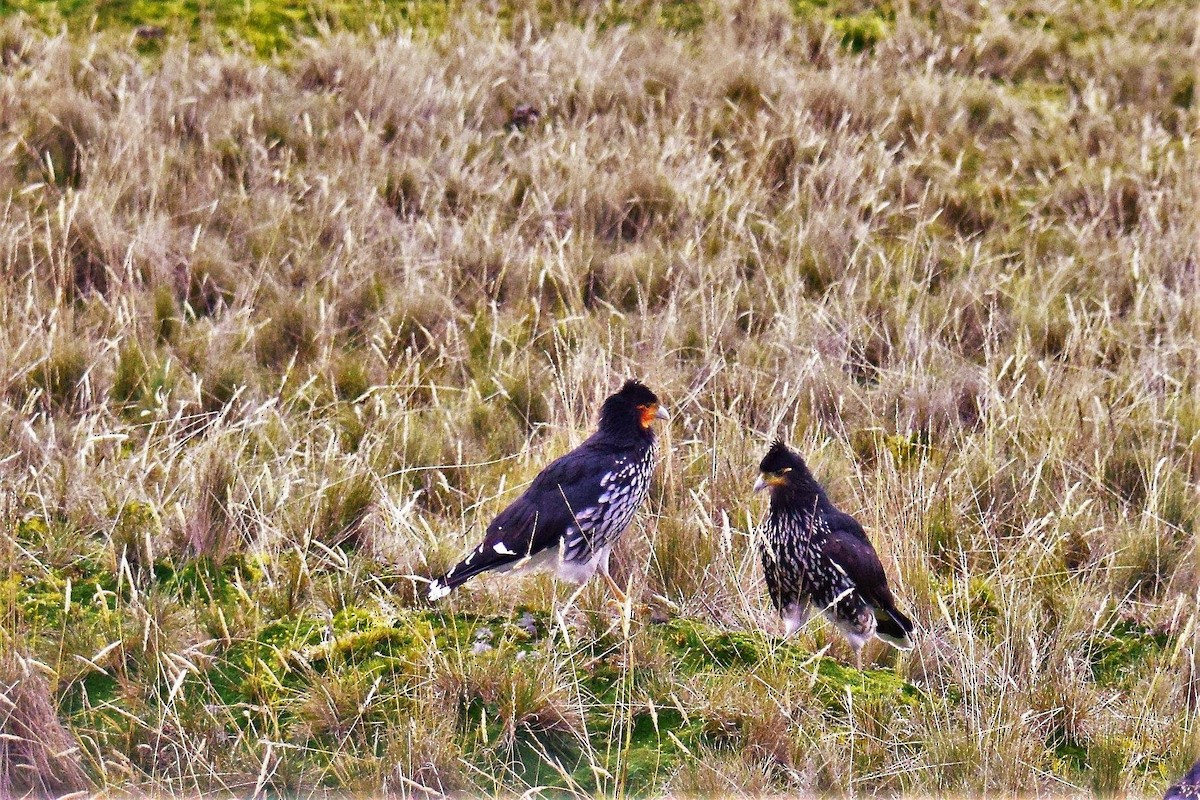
(523, 116)
(149, 33)
(815, 555)
(1188, 786)
(575, 510)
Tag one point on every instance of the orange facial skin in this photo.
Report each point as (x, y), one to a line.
(649, 414)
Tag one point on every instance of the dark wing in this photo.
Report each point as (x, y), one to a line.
(847, 546)
(1188, 786)
(538, 518)
(841, 521)
(858, 559)
(562, 491)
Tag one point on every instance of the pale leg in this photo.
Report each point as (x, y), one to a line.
(617, 591)
(856, 641)
(623, 599)
(794, 617)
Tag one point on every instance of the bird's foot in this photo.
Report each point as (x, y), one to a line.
(619, 594)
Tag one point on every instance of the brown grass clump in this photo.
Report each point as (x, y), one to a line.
(38, 754)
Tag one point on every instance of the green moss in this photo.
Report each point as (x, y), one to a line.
(857, 30)
(652, 754)
(261, 671)
(268, 26)
(700, 647)
(205, 580)
(861, 32)
(274, 26)
(807, 8)
(1123, 652)
(835, 683)
(97, 689)
(358, 646)
(1070, 753)
(264, 678)
(81, 566)
(682, 16)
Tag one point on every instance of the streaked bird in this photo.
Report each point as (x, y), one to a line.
(1188, 786)
(817, 556)
(575, 510)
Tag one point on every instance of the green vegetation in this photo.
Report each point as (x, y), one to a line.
(267, 26)
(304, 677)
(290, 308)
(274, 26)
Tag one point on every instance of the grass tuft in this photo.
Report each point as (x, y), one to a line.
(38, 754)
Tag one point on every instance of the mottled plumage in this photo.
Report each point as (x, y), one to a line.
(817, 556)
(1188, 786)
(576, 508)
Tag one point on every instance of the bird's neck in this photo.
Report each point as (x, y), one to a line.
(801, 498)
(624, 431)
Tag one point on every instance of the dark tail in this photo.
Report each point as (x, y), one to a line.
(893, 627)
(479, 560)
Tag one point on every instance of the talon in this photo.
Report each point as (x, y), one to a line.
(621, 596)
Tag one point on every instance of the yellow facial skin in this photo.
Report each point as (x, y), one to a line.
(769, 480)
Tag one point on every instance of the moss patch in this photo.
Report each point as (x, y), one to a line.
(266, 677)
(268, 26)
(274, 26)
(1124, 650)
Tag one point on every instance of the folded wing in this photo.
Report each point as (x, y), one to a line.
(848, 547)
(535, 521)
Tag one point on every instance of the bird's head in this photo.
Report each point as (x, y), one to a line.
(633, 403)
(782, 467)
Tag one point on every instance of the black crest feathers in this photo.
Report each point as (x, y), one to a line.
(781, 457)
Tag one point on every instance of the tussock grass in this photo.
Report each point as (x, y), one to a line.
(281, 334)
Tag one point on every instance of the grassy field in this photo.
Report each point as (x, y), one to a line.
(289, 312)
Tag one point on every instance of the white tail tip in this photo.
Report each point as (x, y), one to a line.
(900, 644)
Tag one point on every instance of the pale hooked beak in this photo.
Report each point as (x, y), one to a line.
(662, 414)
(761, 484)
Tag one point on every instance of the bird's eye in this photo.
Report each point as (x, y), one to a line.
(785, 470)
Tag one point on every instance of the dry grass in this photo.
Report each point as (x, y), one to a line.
(276, 335)
(37, 753)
